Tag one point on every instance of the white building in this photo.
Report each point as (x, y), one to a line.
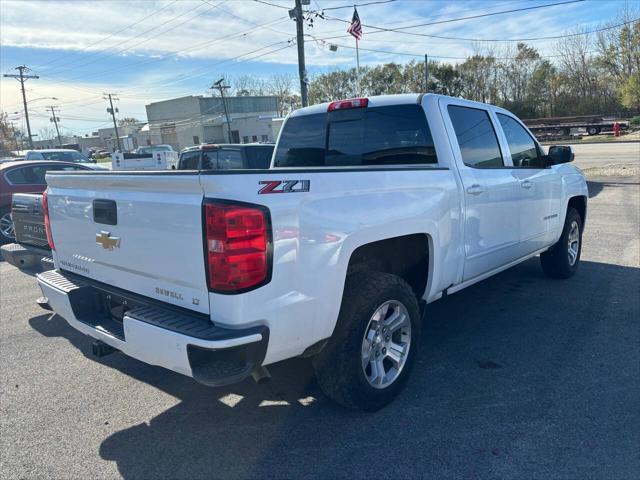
(183, 122)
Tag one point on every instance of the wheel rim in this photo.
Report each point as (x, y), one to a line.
(386, 343)
(573, 243)
(6, 226)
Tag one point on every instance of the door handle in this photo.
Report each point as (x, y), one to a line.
(476, 189)
(526, 184)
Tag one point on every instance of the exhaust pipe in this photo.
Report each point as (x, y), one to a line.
(261, 374)
(101, 349)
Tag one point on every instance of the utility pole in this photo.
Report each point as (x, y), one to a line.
(296, 14)
(113, 112)
(55, 121)
(21, 77)
(426, 73)
(221, 88)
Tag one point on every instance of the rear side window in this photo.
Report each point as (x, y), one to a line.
(209, 159)
(259, 157)
(228, 159)
(524, 151)
(476, 137)
(389, 135)
(190, 161)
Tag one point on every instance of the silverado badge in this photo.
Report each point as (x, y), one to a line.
(107, 241)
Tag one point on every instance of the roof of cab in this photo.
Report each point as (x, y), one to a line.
(384, 100)
(374, 101)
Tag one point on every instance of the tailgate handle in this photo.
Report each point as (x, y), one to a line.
(105, 212)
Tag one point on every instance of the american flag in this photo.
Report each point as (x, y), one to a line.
(355, 29)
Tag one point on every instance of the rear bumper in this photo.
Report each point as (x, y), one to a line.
(23, 256)
(184, 342)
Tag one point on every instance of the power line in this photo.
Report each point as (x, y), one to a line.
(358, 5)
(272, 4)
(529, 39)
(420, 55)
(164, 31)
(470, 17)
(154, 13)
(182, 51)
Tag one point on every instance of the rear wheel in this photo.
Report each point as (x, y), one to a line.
(593, 130)
(368, 359)
(561, 260)
(7, 232)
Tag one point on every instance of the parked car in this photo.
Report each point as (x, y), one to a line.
(63, 155)
(372, 208)
(24, 177)
(226, 156)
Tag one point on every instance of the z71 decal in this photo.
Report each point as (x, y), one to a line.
(284, 186)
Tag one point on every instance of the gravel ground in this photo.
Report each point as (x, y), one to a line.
(518, 377)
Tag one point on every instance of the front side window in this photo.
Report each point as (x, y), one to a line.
(34, 156)
(524, 151)
(476, 137)
(388, 135)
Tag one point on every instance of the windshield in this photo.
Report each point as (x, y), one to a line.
(389, 135)
(65, 156)
(157, 148)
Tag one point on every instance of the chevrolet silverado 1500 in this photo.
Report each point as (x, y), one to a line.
(371, 209)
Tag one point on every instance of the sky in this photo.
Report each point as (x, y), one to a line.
(150, 50)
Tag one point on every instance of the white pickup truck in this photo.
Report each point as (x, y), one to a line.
(372, 208)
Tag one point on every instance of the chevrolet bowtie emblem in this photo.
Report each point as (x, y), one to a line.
(107, 241)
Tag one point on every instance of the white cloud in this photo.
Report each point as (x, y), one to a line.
(183, 43)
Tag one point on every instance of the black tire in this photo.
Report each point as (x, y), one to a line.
(556, 261)
(4, 217)
(593, 130)
(338, 366)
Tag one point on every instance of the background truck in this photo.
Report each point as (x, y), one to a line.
(564, 126)
(158, 157)
(372, 208)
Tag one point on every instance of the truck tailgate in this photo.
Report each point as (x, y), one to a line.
(138, 232)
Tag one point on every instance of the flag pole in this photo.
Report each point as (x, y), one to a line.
(357, 67)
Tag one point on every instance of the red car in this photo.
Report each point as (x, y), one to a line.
(24, 177)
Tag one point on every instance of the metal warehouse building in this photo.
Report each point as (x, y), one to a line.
(187, 121)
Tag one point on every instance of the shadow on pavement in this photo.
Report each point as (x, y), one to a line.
(597, 184)
(517, 376)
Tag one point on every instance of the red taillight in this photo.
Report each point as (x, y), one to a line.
(347, 104)
(47, 223)
(237, 246)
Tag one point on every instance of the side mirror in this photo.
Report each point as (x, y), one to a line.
(561, 154)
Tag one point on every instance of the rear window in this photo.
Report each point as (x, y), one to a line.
(389, 135)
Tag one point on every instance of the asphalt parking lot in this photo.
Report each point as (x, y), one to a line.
(519, 377)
